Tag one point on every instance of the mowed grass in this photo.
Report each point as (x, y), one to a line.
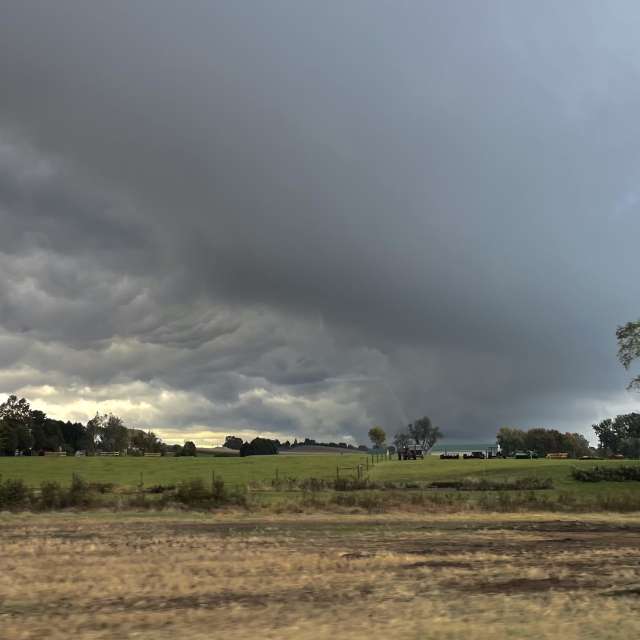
(434, 469)
(129, 471)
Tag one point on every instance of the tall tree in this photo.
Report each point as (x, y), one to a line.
(620, 435)
(114, 435)
(377, 436)
(14, 409)
(628, 336)
(510, 440)
(93, 432)
(425, 433)
(15, 415)
(189, 449)
(233, 442)
(401, 440)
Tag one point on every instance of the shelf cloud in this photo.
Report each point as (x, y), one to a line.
(304, 219)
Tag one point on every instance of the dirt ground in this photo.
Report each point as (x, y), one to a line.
(319, 576)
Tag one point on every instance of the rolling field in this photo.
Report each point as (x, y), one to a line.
(434, 469)
(127, 471)
(415, 577)
(169, 470)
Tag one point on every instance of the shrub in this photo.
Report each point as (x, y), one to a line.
(52, 495)
(313, 484)
(14, 494)
(195, 493)
(79, 493)
(284, 483)
(485, 484)
(353, 484)
(368, 500)
(160, 488)
(623, 473)
(101, 487)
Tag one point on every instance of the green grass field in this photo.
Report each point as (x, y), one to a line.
(238, 471)
(559, 471)
(170, 470)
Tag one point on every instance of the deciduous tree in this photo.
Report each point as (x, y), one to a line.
(425, 433)
(377, 437)
(628, 336)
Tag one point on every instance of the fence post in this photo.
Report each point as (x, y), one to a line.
(338, 473)
(141, 480)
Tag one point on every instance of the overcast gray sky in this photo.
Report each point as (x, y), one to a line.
(304, 218)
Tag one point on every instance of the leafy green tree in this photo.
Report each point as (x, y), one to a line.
(16, 410)
(259, 447)
(74, 435)
(618, 435)
(510, 440)
(401, 440)
(114, 436)
(628, 336)
(233, 442)
(576, 445)
(8, 439)
(145, 441)
(425, 433)
(93, 431)
(377, 437)
(189, 449)
(15, 415)
(543, 441)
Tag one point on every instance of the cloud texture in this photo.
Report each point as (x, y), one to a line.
(302, 219)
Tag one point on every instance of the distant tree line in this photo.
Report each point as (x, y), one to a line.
(267, 446)
(542, 441)
(27, 431)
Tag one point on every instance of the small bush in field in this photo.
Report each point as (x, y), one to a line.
(52, 495)
(484, 484)
(313, 484)
(353, 484)
(160, 488)
(623, 473)
(195, 493)
(14, 494)
(79, 493)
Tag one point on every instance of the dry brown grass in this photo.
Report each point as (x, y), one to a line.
(320, 576)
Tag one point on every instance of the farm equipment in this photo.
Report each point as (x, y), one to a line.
(412, 452)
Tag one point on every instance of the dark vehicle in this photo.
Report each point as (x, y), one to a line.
(525, 455)
(479, 455)
(412, 452)
(449, 456)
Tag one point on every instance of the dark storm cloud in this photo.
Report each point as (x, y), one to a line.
(380, 209)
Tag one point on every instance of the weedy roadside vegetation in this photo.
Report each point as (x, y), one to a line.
(16, 495)
(429, 487)
(623, 473)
